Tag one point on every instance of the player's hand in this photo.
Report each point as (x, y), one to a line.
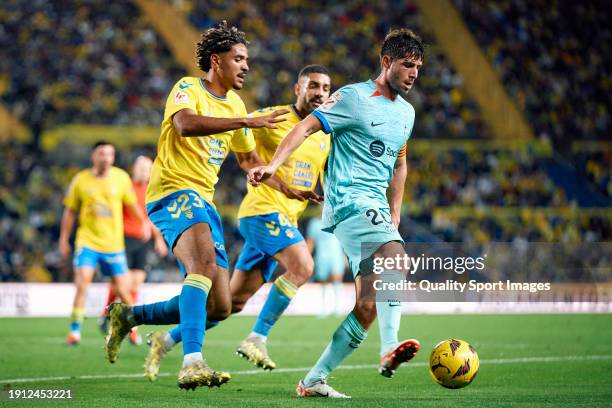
(258, 174)
(310, 196)
(395, 219)
(267, 121)
(64, 248)
(160, 247)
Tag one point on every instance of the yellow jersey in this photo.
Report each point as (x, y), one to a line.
(301, 170)
(193, 163)
(99, 202)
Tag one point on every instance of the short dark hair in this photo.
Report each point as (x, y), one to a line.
(217, 40)
(313, 69)
(101, 143)
(401, 43)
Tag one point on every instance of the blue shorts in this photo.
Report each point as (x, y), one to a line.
(111, 263)
(264, 236)
(362, 234)
(177, 212)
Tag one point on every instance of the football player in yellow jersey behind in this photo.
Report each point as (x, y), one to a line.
(268, 220)
(97, 195)
(204, 119)
(268, 223)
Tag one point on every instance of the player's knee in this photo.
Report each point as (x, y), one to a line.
(202, 266)
(301, 271)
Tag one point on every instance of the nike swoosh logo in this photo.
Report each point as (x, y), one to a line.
(184, 86)
(323, 395)
(376, 124)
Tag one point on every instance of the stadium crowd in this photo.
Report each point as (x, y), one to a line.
(557, 70)
(475, 177)
(91, 62)
(82, 62)
(32, 189)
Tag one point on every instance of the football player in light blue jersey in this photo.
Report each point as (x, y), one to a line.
(370, 123)
(328, 263)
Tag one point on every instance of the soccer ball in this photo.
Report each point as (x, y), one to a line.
(453, 363)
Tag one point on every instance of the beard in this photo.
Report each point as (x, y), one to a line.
(399, 89)
(310, 104)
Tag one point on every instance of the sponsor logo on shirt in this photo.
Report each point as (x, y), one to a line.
(377, 148)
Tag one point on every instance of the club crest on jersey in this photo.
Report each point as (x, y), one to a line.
(181, 97)
(331, 101)
(184, 84)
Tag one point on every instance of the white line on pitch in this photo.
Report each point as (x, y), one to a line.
(518, 360)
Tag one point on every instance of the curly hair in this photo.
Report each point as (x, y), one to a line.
(217, 40)
(402, 42)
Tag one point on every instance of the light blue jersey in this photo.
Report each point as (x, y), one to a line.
(368, 131)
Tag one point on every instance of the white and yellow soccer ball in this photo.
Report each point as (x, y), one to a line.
(453, 363)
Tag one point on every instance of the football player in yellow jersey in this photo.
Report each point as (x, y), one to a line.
(204, 119)
(268, 220)
(268, 223)
(97, 195)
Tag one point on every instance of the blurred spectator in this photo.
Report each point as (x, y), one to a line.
(596, 166)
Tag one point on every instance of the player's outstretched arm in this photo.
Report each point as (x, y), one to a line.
(66, 225)
(395, 192)
(188, 123)
(309, 125)
(251, 159)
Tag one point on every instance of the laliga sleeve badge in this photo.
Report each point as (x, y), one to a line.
(181, 97)
(330, 102)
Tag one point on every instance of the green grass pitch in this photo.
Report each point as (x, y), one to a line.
(525, 360)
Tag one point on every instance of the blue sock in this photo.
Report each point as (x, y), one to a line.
(346, 339)
(76, 319)
(389, 315)
(192, 305)
(175, 332)
(279, 297)
(158, 313)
